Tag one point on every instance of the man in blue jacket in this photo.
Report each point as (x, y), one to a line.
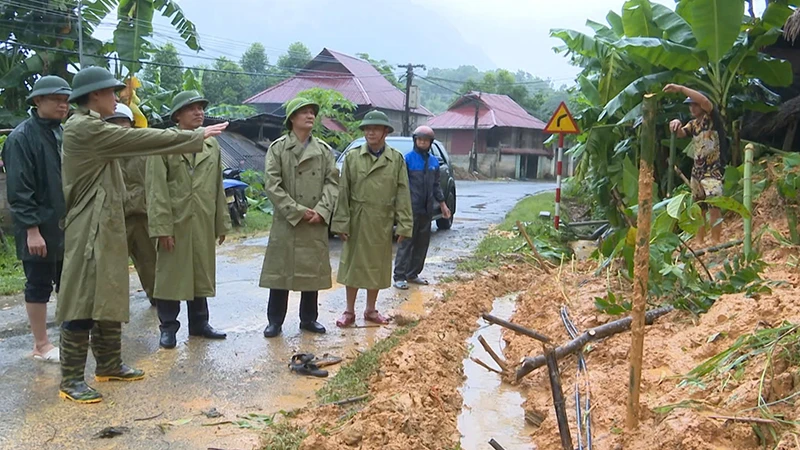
(423, 181)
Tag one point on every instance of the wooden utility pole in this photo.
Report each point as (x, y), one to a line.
(473, 154)
(80, 33)
(641, 259)
(409, 79)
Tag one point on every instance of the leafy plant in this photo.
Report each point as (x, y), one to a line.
(611, 305)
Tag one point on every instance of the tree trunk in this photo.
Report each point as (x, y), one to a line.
(641, 270)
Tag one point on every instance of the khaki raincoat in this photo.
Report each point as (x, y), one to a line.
(141, 248)
(373, 195)
(299, 178)
(185, 200)
(94, 283)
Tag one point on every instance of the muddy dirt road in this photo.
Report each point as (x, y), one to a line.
(244, 374)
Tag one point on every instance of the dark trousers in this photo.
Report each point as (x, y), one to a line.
(197, 311)
(411, 253)
(40, 276)
(279, 302)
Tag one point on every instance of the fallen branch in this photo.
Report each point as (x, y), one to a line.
(542, 262)
(718, 248)
(558, 397)
(745, 419)
(516, 328)
(149, 418)
(500, 361)
(485, 366)
(348, 401)
(697, 257)
(530, 364)
(683, 177)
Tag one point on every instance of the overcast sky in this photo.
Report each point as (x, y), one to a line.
(515, 34)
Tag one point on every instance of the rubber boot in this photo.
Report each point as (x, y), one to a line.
(74, 348)
(107, 350)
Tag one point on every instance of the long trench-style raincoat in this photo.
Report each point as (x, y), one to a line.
(95, 278)
(298, 178)
(373, 195)
(141, 248)
(186, 200)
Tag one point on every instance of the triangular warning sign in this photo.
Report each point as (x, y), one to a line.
(562, 122)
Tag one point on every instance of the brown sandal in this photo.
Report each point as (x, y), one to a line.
(346, 320)
(375, 317)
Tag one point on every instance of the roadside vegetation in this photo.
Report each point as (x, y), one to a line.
(12, 278)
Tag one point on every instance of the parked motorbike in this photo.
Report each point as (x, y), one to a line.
(235, 195)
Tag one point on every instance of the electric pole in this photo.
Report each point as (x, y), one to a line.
(473, 155)
(80, 33)
(409, 79)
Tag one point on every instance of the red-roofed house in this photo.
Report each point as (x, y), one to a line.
(354, 78)
(510, 141)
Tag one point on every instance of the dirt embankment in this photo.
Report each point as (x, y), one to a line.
(415, 400)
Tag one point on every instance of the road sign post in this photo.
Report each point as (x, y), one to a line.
(561, 123)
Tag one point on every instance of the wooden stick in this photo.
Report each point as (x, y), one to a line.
(641, 259)
(745, 419)
(542, 262)
(697, 257)
(500, 361)
(495, 445)
(485, 366)
(348, 401)
(683, 177)
(718, 248)
(603, 331)
(558, 397)
(516, 328)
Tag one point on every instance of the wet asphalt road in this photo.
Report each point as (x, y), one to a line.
(245, 374)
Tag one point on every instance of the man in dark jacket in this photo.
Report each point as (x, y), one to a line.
(423, 181)
(32, 156)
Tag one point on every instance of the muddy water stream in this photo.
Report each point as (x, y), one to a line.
(492, 410)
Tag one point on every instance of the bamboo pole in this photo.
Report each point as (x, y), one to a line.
(671, 173)
(559, 403)
(641, 257)
(516, 328)
(748, 198)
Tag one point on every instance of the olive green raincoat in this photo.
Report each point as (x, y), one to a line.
(141, 248)
(94, 283)
(299, 178)
(185, 200)
(373, 195)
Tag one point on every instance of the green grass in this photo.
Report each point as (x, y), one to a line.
(492, 249)
(352, 380)
(256, 222)
(283, 436)
(12, 278)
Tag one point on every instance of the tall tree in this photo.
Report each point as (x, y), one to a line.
(297, 56)
(166, 76)
(255, 60)
(225, 88)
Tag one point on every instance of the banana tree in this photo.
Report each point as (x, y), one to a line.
(707, 44)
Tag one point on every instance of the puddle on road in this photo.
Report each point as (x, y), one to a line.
(492, 410)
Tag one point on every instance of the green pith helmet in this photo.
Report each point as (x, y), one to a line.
(93, 79)
(296, 104)
(376, 117)
(48, 85)
(186, 98)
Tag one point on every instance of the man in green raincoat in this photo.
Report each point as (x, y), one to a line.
(33, 159)
(373, 196)
(187, 212)
(94, 298)
(140, 247)
(301, 183)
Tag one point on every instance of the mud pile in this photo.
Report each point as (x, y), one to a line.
(415, 400)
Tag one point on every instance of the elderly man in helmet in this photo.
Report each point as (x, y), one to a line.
(423, 181)
(94, 298)
(140, 246)
(373, 196)
(187, 212)
(33, 159)
(301, 182)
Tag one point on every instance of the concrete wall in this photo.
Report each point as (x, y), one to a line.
(488, 165)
